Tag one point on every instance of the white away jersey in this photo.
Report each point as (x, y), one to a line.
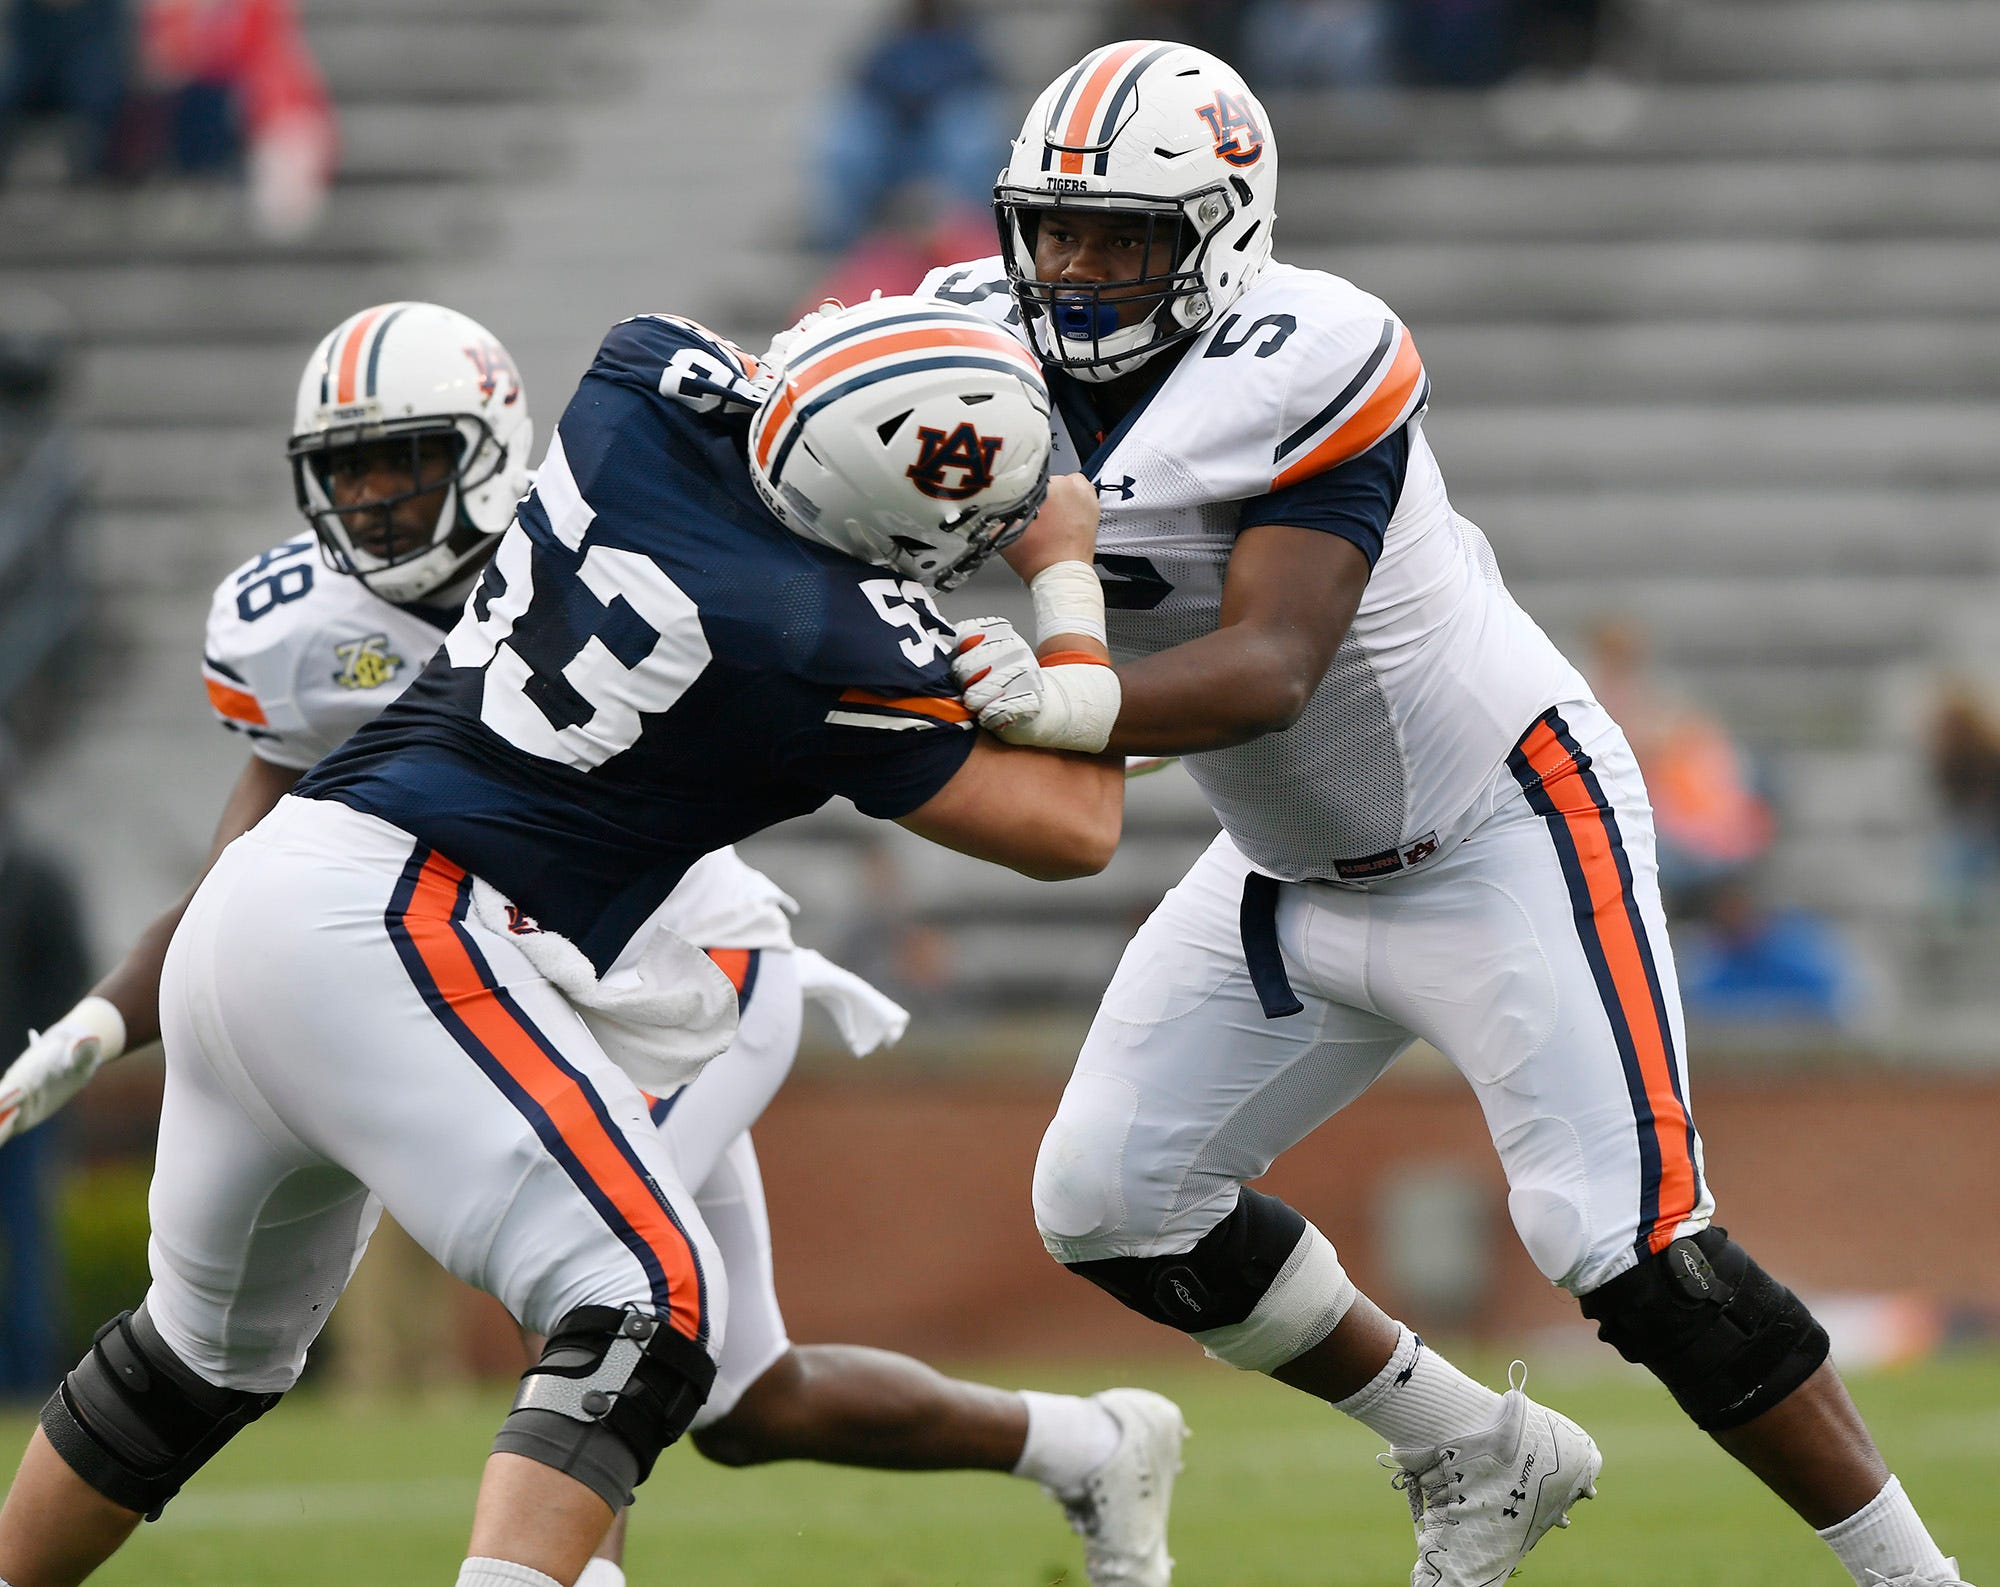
(297, 656)
(1440, 672)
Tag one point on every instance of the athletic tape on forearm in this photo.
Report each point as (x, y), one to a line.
(1068, 600)
(1079, 704)
(100, 1017)
(1304, 1304)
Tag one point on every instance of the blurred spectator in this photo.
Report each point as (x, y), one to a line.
(913, 239)
(1746, 962)
(68, 58)
(1710, 820)
(1319, 44)
(922, 107)
(44, 967)
(231, 87)
(1459, 43)
(1964, 762)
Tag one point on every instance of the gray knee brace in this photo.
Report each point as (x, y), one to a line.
(1259, 1289)
(1727, 1339)
(135, 1422)
(613, 1388)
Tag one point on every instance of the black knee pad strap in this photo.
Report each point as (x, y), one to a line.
(1727, 1339)
(612, 1389)
(1217, 1283)
(135, 1422)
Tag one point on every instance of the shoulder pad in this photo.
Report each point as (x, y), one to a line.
(979, 285)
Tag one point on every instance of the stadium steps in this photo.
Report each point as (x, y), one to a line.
(1754, 41)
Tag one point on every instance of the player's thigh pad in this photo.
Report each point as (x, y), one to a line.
(1535, 956)
(134, 1421)
(1184, 1090)
(731, 1203)
(701, 1120)
(335, 984)
(1727, 1339)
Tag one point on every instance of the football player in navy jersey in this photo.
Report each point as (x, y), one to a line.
(406, 507)
(428, 980)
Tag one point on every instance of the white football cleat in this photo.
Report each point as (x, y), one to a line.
(1916, 1580)
(1121, 1511)
(1481, 1502)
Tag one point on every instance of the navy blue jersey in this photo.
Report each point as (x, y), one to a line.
(653, 666)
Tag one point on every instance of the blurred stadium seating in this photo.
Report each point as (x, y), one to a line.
(1717, 352)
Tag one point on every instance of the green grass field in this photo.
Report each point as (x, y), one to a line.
(1277, 1493)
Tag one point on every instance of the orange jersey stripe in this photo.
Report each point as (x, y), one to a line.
(845, 358)
(734, 963)
(1091, 100)
(429, 923)
(237, 705)
(1609, 915)
(1369, 423)
(922, 704)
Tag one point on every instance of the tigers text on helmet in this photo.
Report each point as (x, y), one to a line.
(907, 433)
(1156, 130)
(424, 378)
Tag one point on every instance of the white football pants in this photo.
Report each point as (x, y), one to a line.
(342, 1037)
(1533, 955)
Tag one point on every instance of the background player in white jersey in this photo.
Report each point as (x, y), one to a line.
(1430, 830)
(835, 1404)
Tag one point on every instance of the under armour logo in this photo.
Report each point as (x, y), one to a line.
(1510, 1513)
(1123, 486)
(1517, 1494)
(964, 449)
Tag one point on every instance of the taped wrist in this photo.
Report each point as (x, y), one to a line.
(1068, 600)
(1080, 700)
(99, 1017)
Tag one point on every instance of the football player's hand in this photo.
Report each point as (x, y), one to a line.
(996, 672)
(57, 1064)
(1065, 530)
(772, 360)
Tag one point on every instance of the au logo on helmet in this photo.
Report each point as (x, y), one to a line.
(965, 449)
(1238, 138)
(494, 366)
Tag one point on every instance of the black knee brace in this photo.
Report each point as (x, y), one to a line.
(613, 1388)
(1217, 1283)
(1727, 1339)
(135, 1422)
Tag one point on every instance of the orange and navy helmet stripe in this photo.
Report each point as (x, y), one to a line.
(962, 342)
(1388, 391)
(1555, 774)
(1085, 116)
(344, 377)
(426, 921)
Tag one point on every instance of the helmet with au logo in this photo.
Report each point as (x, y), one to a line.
(1160, 131)
(434, 380)
(907, 433)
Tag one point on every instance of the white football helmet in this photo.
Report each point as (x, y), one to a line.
(907, 433)
(413, 371)
(1150, 128)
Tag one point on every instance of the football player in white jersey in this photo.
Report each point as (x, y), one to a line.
(1430, 830)
(302, 649)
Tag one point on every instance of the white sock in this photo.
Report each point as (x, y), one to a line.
(1068, 1439)
(602, 1573)
(1885, 1537)
(1420, 1398)
(501, 1573)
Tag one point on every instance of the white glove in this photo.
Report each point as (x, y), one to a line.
(995, 669)
(772, 360)
(58, 1063)
(865, 1016)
